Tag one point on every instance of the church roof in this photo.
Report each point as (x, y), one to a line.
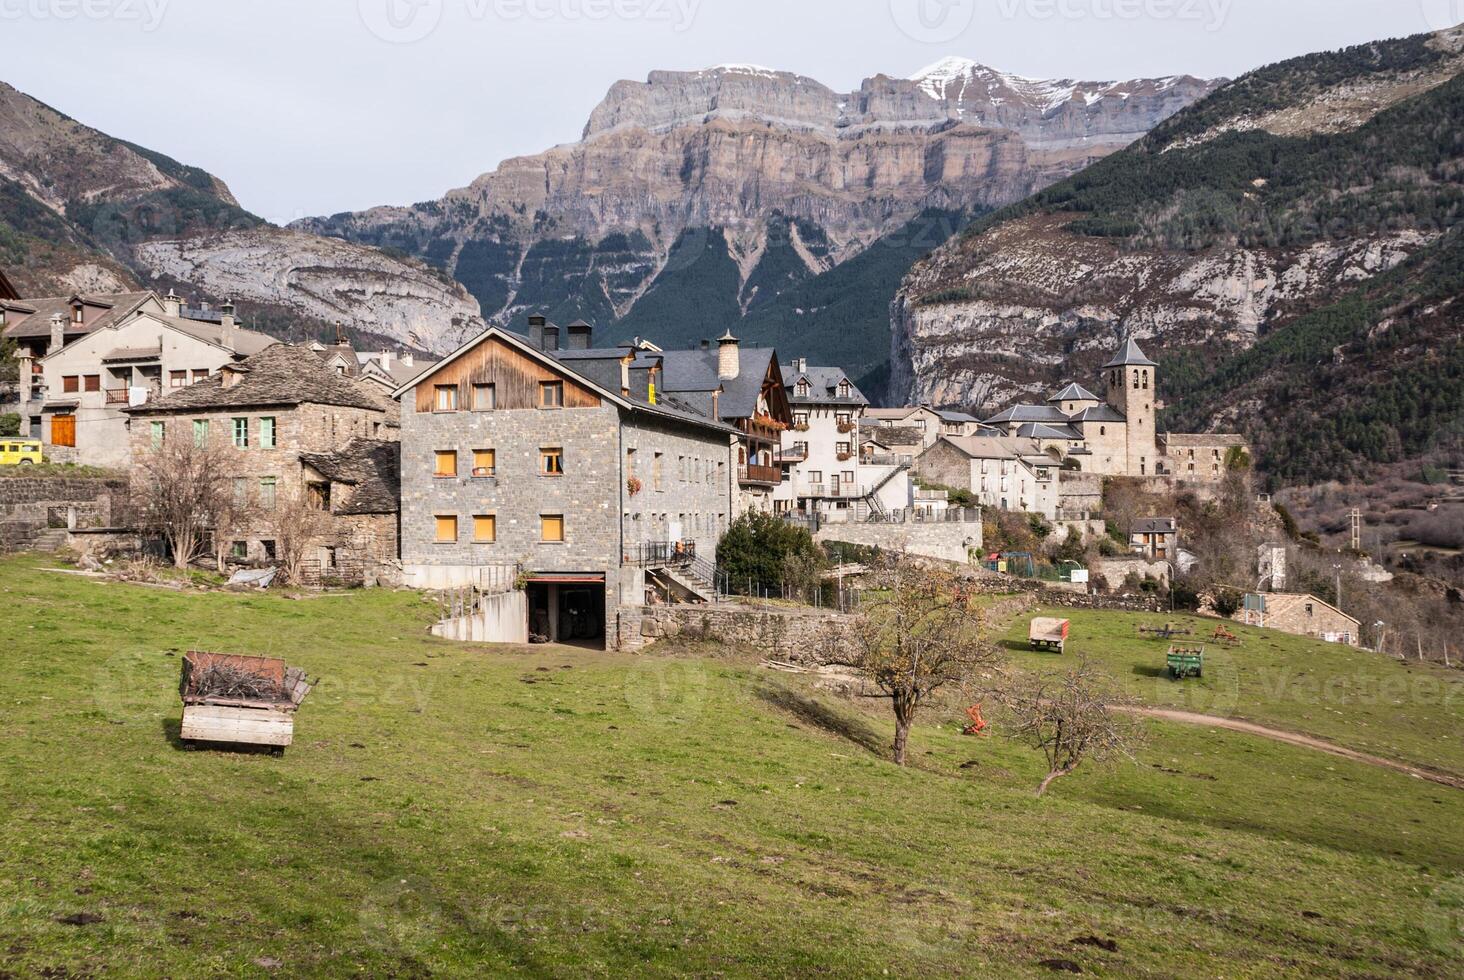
(1028, 413)
(1074, 393)
(1130, 356)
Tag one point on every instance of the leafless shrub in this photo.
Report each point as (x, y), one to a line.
(1072, 718)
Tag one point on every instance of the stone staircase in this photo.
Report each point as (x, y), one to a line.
(51, 539)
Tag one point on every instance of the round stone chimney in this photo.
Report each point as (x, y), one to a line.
(729, 357)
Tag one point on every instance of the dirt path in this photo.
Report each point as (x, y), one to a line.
(1292, 738)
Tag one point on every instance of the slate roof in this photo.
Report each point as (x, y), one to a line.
(824, 385)
(372, 467)
(278, 375)
(1028, 413)
(1045, 430)
(1099, 413)
(245, 342)
(995, 447)
(38, 323)
(1074, 392)
(1129, 355)
(949, 416)
(696, 370)
(891, 435)
(1153, 525)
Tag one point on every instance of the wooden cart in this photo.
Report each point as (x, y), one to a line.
(1046, 633)
(265, 715)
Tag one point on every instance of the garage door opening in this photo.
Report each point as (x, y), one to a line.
(567, 609)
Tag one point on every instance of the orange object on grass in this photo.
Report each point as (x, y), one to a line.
(978, 724)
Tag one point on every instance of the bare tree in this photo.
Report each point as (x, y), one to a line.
(919, 629)
(298, 523)
(237, 512)
(178, 489)
(1071, 717)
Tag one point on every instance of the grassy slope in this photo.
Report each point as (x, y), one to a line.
(440, 814)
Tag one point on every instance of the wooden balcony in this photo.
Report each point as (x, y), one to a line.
(116, 396)
(769, 476)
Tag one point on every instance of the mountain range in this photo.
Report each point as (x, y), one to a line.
(699, 200)
(1287, 247)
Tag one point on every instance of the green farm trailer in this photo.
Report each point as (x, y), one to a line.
(1186, 662)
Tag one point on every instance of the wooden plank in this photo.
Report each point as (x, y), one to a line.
(515, 378)
(251, 726)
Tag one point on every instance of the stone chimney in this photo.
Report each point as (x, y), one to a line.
(227, 323)
(580, 335)
(386, 359)
(729, 358)
(58, 333)
(406, 359)
(536, 331)
(802, 365)
(172, 304)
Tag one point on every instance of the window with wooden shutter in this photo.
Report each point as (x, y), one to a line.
(485, 528)
(447, 530)
(446, 463)
(551, 527)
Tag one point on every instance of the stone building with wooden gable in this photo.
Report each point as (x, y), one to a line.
(560, 482)
(293, 430)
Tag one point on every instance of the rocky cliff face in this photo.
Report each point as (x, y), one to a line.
(82, 211)
(796, 178)
(1254, 219)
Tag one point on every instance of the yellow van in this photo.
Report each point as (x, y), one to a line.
(19, 451)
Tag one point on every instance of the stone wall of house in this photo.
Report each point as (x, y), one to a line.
(30, 506)
(694, 498)
(947, 541)
(1079, 493)
(517, 496)
(1304, 615)
(1115, 570)
(943, 463)
(307, 428)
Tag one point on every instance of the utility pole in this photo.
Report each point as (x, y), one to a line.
(1356, 517)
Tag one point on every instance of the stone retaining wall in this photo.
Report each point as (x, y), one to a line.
(30, 506)
(795, 635)
(947, 541)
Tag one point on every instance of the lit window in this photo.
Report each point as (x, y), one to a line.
(485, 462)
(551, 462)
(485, 398)
(241, 433)
(551, 394)
(445, 398)
(446, 462)
(551, 527)
(446, 528)
(267, 492)
(266, 433)
(485, 528)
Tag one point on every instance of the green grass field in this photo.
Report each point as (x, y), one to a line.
(459, 810)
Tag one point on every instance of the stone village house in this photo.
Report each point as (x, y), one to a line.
(84, 360)
(825, 473)
(1003, 472)
(562, 482)
(292, 428)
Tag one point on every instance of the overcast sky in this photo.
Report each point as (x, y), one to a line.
(317, 106)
